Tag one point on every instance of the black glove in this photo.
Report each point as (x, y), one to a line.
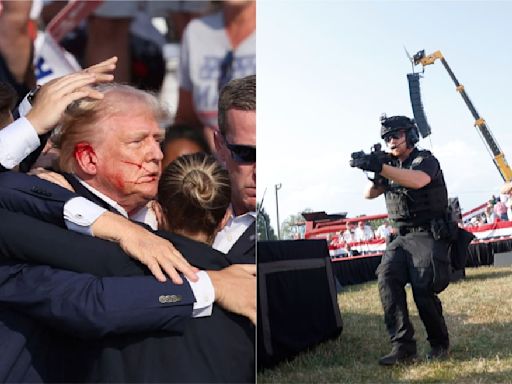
(371, 163)
(380, 181)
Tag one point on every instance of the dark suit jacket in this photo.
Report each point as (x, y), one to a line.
(219, 348)
(244, 250)
(77, 303)
(39, 198)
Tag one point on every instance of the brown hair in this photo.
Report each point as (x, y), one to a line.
(194, 192)
(84, 119)
(238, 94)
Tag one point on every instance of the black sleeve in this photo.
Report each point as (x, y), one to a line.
(30, 160)
(29, 240)
(34, 197)
(426, 163)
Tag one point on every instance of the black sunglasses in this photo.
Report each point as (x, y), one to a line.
(226, 69)
(393, 135)
(242, 153)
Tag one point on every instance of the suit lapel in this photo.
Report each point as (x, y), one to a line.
(244, 251)
(84, 192)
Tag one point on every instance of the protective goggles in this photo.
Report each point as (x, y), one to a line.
(242, 154)
(393, 135)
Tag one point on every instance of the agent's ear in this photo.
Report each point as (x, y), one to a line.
(86, 158)
(225, 219)
(220, 146)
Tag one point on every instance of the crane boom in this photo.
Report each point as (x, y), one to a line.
(497, 153)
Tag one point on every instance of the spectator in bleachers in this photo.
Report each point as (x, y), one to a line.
(500, 208)
(506, 190)
(490, 217)
(364, 232)
(384, 231)
(349, 233)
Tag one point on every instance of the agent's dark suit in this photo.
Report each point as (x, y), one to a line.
(78, 303)
(244, 249)
(39, 198)
(219, 348)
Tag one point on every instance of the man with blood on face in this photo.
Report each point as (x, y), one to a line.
(121, 156)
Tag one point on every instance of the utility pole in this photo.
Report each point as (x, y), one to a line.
(278, 187)
(267, 236)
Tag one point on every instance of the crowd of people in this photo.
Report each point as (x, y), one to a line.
(498, 208)
(131, 256)
(361, 232)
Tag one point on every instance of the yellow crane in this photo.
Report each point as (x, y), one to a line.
(497, 153)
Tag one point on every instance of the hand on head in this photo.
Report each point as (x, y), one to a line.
(54, 97)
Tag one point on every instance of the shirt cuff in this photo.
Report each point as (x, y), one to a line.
(17, 141)
(80, 214)
(24, 106)
(204, 294)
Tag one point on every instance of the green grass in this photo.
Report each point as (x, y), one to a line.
(478, 312)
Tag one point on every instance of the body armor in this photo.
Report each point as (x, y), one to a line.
(417, 207)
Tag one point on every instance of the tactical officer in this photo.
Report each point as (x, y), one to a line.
(417, 200)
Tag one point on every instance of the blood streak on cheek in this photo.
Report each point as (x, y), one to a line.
(121, 183)
(132, 163)
(139, 166)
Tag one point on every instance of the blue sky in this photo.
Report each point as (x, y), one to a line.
(327, 70)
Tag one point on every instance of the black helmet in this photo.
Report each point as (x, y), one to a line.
(397, 123)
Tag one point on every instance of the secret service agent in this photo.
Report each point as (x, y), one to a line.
(416, 199)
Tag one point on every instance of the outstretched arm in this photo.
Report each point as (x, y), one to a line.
(90, 306)
(47, 201)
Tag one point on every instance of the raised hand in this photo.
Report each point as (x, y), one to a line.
(53, 97)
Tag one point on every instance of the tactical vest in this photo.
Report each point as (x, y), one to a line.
(417, 207)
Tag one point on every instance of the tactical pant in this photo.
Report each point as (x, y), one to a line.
(409, 259)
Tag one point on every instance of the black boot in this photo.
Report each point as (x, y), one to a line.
(398, 356)
(438, 353)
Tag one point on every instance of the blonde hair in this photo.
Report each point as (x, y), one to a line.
(194, 192)
(84, 119)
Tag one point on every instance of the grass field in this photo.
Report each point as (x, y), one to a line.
(478, 312)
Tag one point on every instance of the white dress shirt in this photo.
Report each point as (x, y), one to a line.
(17, 140)
(349, 236)
(235, 227)
(383, 231)
(364, 234)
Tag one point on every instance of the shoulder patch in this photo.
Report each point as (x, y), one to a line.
(417, 160)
